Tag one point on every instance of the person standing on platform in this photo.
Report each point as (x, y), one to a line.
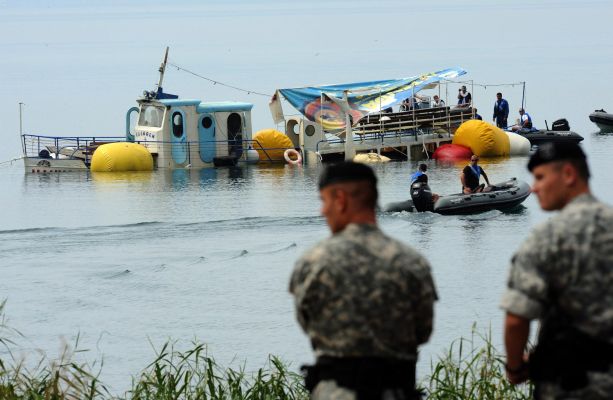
(562, 275)
(464, 97)
(365, 300)
(501, 111)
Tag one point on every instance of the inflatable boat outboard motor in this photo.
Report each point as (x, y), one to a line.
(560, 125)
(422, 196)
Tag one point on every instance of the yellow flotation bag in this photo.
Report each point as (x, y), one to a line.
(121, 157)
(482, 138)
(271, 144)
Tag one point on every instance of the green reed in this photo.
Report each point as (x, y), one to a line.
(174, 374)
(470, 369)
(195, 375)
(47, 379)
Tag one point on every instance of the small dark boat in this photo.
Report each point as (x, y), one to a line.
(559, 132)
(603, 120)
(501, 196)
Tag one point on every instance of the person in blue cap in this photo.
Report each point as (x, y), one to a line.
(562, 276)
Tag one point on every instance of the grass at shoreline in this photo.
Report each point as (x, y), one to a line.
(470, 369)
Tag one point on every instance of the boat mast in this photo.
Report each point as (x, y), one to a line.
(162, 70)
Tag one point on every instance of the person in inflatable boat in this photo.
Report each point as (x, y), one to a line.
(470, 177)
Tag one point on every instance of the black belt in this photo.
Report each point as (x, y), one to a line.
(565, 356)
(368, 377)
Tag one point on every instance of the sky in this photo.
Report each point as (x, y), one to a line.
(78, 66)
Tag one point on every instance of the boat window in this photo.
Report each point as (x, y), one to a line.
(309, 130)
(177, 124)
(151, 116)
(207, 122)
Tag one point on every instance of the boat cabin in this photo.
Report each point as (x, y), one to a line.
(191, 133)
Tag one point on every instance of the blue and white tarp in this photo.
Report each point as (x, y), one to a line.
(363, 97)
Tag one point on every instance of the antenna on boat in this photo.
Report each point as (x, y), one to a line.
(20, 117)
(162, 70)
(23, 143)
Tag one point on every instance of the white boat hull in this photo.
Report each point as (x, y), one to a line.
(52, 165)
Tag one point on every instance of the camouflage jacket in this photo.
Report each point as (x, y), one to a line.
(362, 293)
(565, 268)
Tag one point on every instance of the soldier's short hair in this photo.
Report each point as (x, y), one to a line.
(561, 151)
(350, 172)
(423, 167)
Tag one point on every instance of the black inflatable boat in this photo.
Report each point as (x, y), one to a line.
(603, 120)
(559, 132)
(501, 196)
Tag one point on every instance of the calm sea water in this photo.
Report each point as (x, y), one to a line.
(127, 259)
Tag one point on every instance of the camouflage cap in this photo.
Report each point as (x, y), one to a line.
(555, 151)
(346, 172)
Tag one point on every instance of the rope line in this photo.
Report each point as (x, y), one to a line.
(11, 161)
(485, 85)
(214, 82)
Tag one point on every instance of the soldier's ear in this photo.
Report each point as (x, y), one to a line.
(342, 200)
(569, 174)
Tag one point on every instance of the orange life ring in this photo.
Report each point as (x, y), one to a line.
(288, 157)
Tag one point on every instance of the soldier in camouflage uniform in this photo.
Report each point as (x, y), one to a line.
(364, 299)
(563, 276)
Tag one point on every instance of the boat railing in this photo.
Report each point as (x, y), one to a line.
(64, 147)
(82, 148)
(236, 147)
(386, 138)
(440, 118)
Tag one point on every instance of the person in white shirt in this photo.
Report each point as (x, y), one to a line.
(438, 102)
(524, 121)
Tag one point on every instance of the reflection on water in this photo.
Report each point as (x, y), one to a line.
(236, 174)
(519, 210)
(423, 223)
(180, 178)
(207, 176)
(120, 177)
(31, 180)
